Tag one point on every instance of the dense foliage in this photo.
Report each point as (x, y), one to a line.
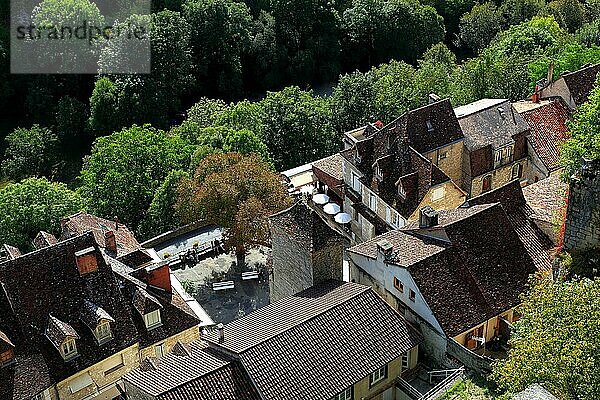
(556, 341)
(34, 205)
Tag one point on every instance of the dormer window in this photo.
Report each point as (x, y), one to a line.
(378, 173)
(152, 319)
(68, 349)
(429, 126)
(62, 336)
(401, 191)
(103, 332)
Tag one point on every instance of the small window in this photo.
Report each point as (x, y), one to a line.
(372, 202)
(103, 332)
(355, 182)
(442, 155)
(152, 319)
(6, 357)
(378, 173)
(69, 349)
(509, 152)
(398, 285)
(429, 126)
(405, 361)
(159, 350)
(438, 193)
(347, 394)
(388, 214)
(395, 219)
(517, 171)
(486, 185)
(498, 157)
(401, 191)
(357, 156)
(45, 395)
(411, 295)
(378, 376)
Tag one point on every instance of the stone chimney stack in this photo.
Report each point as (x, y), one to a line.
(582, 224)
(428, 217)
(221, 330)
(110, 241)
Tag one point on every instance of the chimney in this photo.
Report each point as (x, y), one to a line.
(385, 247)
(582, 226)
(86, 260)
(550, 72)
(378, 124)
(110, 242)
(221, 330)
(535, 97)
(116, 223)
(434, 98)
(160, 277)
(428, 217)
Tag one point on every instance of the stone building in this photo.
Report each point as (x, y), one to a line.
(458, 274)
(547, 200)
(582, 224)
(305, 251)
(335, 340)
(73, 321)
(495, 143)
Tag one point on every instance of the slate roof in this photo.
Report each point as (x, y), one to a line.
(8, 252)
(57, 331)
(483, 123)
(534, 392)
(431, 126)
(5, 339)
(44, 239)
(126, 242)
(546, 198)
(548, 131)
(144, 302)
(92, 315)
(461, 266)
(47, 282)
(316, 343)
(581, 82)
(331, 165)
(197, 372)
(511, 197)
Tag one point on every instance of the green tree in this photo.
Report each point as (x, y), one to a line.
(480, 25)
(32, 205)
(556, 340)
(205, 111)
(30, 152)
(352, 101)
(161, 215)
(126, 168)
(236, 192)
(584, 129)
(220, 38)
(241, 115)
(570, 14)
(104, 116)
(589, 34)
(372, 42)
(451, 11)
(518, 11)
(297, 127)
(394, 91)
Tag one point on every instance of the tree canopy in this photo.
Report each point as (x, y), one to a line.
(556, 340)
(236, 192)
(33, 205)
(30, 153)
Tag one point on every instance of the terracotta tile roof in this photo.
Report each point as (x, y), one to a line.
(318, 342)
(83, 222)
(331, 165)
(546, 198)
(581, 82)
(548, 131)
(197, 371)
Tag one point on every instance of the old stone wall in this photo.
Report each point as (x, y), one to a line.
(582, 225)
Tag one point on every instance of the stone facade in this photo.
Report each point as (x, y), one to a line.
(450, 159)
(305, 251)
(582, 225)
(187, 336)
(499, 176)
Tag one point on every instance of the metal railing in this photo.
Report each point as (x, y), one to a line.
(441, 388)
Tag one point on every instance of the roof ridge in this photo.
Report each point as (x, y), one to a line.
(53, 246)
(328, 309)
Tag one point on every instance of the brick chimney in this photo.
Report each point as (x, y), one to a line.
(160, 277)
(582, 224)
(110, 242)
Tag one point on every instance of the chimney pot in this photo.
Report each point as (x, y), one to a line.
(433, 98)
(221, 330)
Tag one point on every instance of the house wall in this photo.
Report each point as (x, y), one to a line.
(452, 164)
(559, 88)
(500, 176)
(362, 390)
(536, 170)
(190, 335)
(100, 375)
(489, 327)
(453, 198)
